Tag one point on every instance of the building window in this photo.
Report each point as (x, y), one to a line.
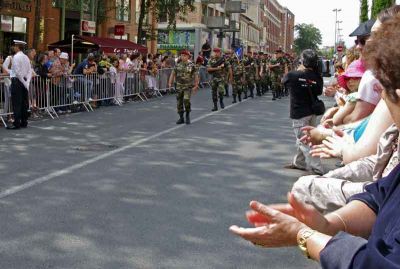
(13, 24)
(122, 10)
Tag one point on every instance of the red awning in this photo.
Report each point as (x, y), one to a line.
(110, 45)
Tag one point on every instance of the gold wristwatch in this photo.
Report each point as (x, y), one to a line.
(302, 240)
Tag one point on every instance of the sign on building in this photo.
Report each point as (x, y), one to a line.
(88, 27)
(119, 30)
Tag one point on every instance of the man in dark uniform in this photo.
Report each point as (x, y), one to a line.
(21, 75)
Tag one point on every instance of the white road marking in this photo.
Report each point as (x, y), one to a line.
(72, 168)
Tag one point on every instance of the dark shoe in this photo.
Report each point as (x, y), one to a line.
(215, 107)
(234, 99)
(221, 103)
(187, 117)
(181, 120)
(240, 97)
(12, 127)
(292, 166)
(245, 96)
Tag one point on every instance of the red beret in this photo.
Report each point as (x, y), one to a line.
(200, 59)
(185, 52)
(217, 50)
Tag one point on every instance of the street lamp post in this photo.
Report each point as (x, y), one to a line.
(336, 10)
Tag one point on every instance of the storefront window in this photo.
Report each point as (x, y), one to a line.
(122, 10)
(6, 23)
(20, 24)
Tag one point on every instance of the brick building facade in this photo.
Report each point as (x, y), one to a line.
(279, 25)
(18, 21)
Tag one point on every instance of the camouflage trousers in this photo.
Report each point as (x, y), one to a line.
(217, 89)
(276, 81)
(249, 84)
(237, 87)
(265, 83)
(183, 99)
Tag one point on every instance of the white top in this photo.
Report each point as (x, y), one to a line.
(366, 89)
(7, 66)
(21, 68)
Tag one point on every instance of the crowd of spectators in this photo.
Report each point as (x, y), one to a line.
(348, 217)
(55, 72)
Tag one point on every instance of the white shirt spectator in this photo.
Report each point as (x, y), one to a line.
(21, 68)
(366, 89)
(7, 65)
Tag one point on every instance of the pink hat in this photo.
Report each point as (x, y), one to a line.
(355, 70)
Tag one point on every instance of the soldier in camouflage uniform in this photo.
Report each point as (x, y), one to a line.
(218, 67)
(238, 79)
(250, 72)
(264, 73)
(187, 79)
(230, 58)
(258, 65)
(277, 67)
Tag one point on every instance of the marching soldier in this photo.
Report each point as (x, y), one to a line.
(186, 76)
(238, 79)
(257, 64)
(250, 71)
(218, 67)
(277, 67)
(264, 73)
(229, 57)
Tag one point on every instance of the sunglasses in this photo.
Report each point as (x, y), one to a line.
(360, 42)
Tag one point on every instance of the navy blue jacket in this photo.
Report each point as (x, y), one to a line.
(382, 250)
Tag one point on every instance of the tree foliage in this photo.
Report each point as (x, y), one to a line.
(379, 5)
(364, 11)
(171, 10)
(308, 37)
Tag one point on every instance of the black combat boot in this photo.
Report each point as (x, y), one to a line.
(181, 120)
(273, 95)
(187, 117)
(245, 95)
(234, 99)
(240, 97)
(258, 92)
(252, 92)
(221, 102)
(215, 106)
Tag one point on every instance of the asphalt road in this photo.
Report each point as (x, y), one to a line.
(124, 187)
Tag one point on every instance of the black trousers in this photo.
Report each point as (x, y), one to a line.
(20, 102)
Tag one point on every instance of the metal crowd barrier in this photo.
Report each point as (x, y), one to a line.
(55, 95)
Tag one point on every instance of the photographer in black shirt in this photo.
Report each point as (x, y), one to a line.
(305, 85)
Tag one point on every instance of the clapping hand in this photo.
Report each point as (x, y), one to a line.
(278, 225)
(331, 147)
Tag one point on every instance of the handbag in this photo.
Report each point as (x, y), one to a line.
(317, 106)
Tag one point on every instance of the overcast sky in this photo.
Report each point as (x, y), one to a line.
(319, 13)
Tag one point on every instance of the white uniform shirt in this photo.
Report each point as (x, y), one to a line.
(21, 68)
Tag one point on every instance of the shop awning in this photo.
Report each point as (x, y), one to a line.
(108, 45)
